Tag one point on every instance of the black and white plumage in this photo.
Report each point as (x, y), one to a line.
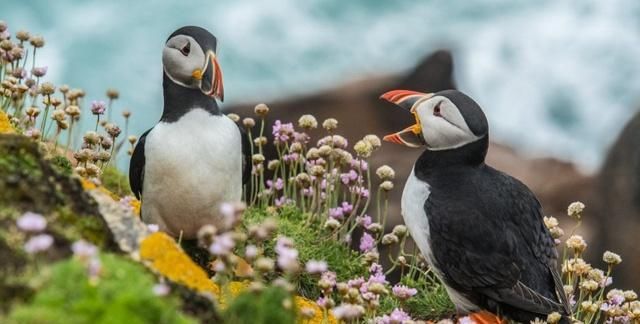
(481, 230)
(195, 158)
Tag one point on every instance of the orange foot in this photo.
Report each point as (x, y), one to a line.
(484, 317)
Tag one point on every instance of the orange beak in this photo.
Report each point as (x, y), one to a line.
(211, 77)
(408, 100)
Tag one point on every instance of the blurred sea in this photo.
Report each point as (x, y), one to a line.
(555, 77)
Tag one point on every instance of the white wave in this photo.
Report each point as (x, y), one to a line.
(555, 77)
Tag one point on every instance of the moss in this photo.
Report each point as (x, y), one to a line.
(74, 227)
(14, 266)
(61, 164)
(272, 305)
(123, 294)
(115, 181)
(311, 245)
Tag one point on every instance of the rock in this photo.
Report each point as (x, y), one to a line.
(617, 191)
(28, 182)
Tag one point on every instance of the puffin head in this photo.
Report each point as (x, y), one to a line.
(189, 60)
(445, 120)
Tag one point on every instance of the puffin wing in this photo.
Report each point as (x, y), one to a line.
(246, 155)
(136, 166)
(481, 248)
(539, 241)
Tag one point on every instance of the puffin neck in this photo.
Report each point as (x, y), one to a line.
(178, 100)
(470, 155)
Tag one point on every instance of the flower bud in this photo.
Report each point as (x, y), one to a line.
(400, 231)
(388, 239)
(248, 122)
(330, 124)
(386, 185)
(261, 110)
(308, 122)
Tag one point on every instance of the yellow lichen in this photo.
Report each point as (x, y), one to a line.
(163, 255)
(135, 204)
(90, 185)
(5, 124)
(318, 315)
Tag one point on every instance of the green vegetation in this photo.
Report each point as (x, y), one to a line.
(272, 305)
(340, 258)
(115, 181)
(123, 294)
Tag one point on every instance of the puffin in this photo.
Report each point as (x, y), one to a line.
(195, 158)
(480, 230)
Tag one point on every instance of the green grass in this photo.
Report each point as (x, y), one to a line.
(312, 243)
(116, 181)
(430, 303)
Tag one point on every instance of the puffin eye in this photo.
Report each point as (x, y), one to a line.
(436, 110)
(186, 49)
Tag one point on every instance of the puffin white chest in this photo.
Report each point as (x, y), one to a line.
(192, 166)
(415, 194)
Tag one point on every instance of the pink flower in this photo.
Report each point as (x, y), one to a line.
(397, 316)
(31, 222)
(364, 221)
(349, 177)
(308, 192)
(348, 312)
(336, 213)
(162, 289)
(251, 251)
(84, 249)
(282, 201)
(301, 138)
(291, 157)
(125, 202)
(287, 255)
(278, 184)
(38, 243)
(323, 302)
(282, 132)
(95, 267)
(39, 71)
(347, 207)
(466, 320)
(359, 164)
(222, 244)
(356, 283)
(361, 191)
(403, 292)
(314, 266)
(98, 107)
(330, 277)
(367, 242)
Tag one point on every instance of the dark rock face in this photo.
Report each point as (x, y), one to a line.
(618, 195)
(360, 112)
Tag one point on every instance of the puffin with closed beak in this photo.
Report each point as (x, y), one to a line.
(481, 231)
(195, 158)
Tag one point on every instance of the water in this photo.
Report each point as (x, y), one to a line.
(555, 77)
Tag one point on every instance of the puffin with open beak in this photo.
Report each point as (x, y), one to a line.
(481, 231)
(195, 158)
